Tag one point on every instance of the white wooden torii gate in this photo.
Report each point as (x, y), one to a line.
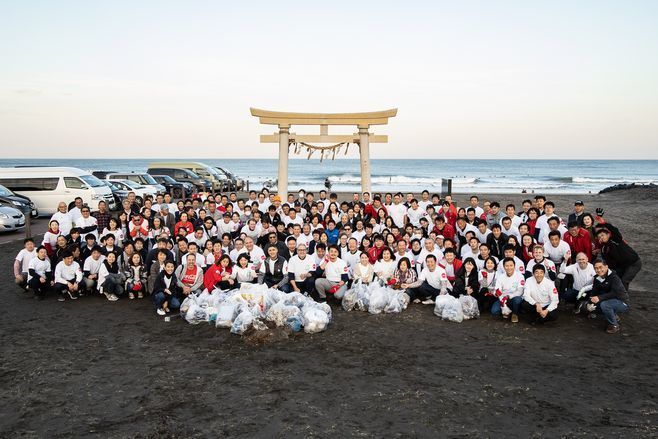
(284, 137)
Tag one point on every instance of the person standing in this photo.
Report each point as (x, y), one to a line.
(618, 254)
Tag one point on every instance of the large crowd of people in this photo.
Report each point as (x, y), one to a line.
(516, 261)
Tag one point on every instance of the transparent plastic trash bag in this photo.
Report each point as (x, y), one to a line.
(225, 314)
(242, 322)
(452, 311)
(315, 320)
(440, 302)
(469, 307)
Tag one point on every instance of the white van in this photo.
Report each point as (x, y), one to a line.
(48, 186)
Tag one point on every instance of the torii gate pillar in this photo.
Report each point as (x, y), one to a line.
(284, 137)
(364, 153)
(282, 183)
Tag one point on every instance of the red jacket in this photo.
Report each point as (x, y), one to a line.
(374, 253)
(371, 211)
(448, 232)
(579, 243)
(456, 264)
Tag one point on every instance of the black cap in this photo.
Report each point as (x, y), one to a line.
(578, 203)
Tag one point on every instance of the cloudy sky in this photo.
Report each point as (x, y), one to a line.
(490, 79)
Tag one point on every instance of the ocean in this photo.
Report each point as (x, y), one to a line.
(469, 176)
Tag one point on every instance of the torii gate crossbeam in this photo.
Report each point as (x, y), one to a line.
(284, 137)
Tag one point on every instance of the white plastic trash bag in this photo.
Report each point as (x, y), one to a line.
(378, 300)
(242, 322)
(315, 320)
(397, 301)
(225, 314)
(440, 302)
(469, 307)
(349, 299)
(452, 311)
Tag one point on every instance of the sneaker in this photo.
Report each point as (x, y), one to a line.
(72, 295)
(515, 318)
(131, 296)
(61, 298)
(112, 298)
(161, 312)
(416, 300)
(506, 316)
(140, 295)
(612, 329)
(428, 302)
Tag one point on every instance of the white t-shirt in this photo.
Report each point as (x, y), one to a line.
(543, 293)
(437, 279)
(511, 286)
(25, 257)
(415, 215)
(299, 266)
(581, 277)
(334, 271)
(557, 254)
(384, 270)
(397, 212)
(351, 259)
(93, 266)
(39, 266)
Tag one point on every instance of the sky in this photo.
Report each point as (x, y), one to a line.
(486, 79)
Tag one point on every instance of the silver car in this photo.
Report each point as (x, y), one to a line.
(11, 219)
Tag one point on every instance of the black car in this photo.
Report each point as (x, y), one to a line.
(24, 204)
(176, 188)
(183, 176)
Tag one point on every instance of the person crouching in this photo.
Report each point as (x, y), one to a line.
(540, 297)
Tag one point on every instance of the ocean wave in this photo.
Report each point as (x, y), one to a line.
(592, 180)
(399, 179)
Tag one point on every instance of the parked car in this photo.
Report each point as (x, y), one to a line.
(47, 186)
(139, 190)
(178, 189)
(24, 204)
(119, 194)
(210, 174)
(236, 184)
(140, 178)
(11, 219)
(182, 175)
(102, 174)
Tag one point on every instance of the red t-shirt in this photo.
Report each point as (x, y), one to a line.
(190, 276)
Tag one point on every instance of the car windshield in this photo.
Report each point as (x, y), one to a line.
(166, 179)
(92, 181)
(148, 179)
(5, 192)
(132, 184)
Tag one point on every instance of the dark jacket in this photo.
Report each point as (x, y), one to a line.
(616, 252)
(159, 286)
(460, 283)
(276, 277)
(611, 287)
(496, 245)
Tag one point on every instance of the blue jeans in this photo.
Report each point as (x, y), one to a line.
(610, 308)
(514, 304)
(569, 295)
(162, 297)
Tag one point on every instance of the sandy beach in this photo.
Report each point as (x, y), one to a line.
(94, 368)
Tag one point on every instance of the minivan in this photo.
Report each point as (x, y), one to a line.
(140, 178)
(204, 171)
(48, 186)
(182, 175)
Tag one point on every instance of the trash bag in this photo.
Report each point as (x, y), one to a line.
(378, 300)
(469, 307)
(452, 311)
(226, 312)
(350, 299)
(396, 302)
(440, 302)
(294, 323)
(315, 320)
(294, 299)
(242, 322)
(280, 312)
(196, 314)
